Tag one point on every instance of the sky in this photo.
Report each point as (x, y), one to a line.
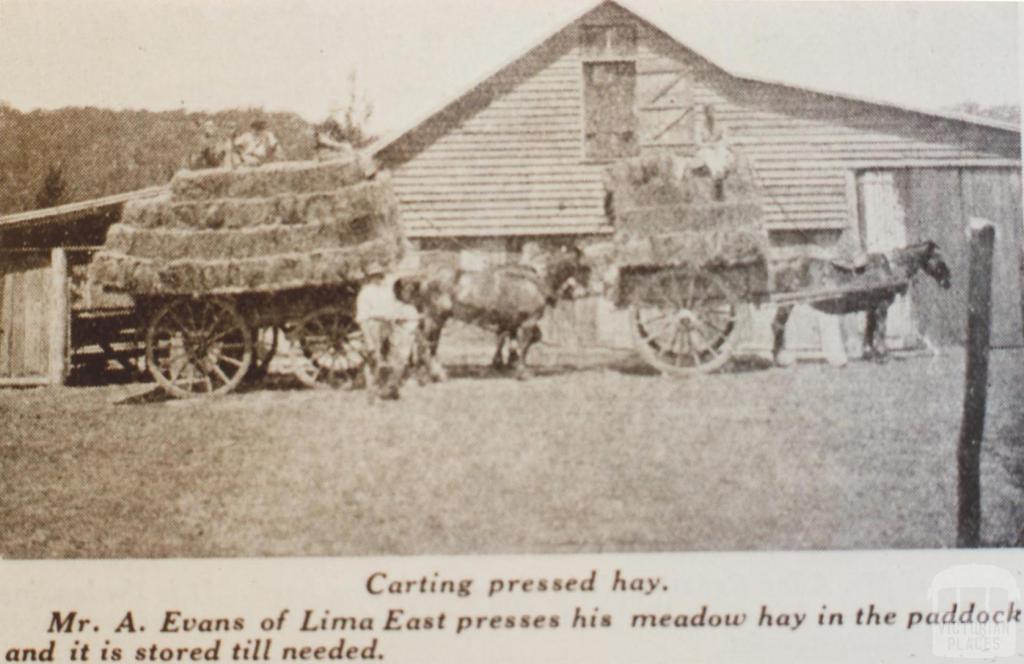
(411, 56)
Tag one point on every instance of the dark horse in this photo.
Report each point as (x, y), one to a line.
(510, 299)
(871, 288)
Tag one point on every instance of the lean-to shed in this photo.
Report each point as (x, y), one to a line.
(47, 309)
(522, 155)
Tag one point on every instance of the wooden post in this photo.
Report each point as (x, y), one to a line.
(58, 316)
(972, 427)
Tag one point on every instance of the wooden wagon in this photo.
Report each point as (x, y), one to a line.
(229, 260)
(685, 289)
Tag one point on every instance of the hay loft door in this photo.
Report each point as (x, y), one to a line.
(883, 228)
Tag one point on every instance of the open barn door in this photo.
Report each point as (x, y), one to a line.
(883, 228)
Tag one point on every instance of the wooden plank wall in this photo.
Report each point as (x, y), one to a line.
(513, 168)
(939, 203)
(24, 317)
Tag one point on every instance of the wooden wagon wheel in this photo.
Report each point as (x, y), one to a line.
(197, 347)
(265, 341)
(331, 346)
(685, 323)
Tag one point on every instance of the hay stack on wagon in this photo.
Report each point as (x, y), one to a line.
(667, 218)
(280, 226)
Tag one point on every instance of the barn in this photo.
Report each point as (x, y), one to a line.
(522, 156)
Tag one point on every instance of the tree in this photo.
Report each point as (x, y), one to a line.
(1004, 112)
(354, 115)
(54, 189)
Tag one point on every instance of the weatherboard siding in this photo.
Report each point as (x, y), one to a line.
(513, 163)
(513, 168)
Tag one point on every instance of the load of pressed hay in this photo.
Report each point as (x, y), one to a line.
(260, 274)
(665, 216)
(302, 224)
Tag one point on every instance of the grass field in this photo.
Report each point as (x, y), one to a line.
(605, 458)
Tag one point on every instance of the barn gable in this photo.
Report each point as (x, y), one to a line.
(516, 155)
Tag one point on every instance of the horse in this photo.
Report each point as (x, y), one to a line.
(871, 287)
(509, 299)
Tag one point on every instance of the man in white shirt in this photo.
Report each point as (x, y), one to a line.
(258, 145)
(389, 327)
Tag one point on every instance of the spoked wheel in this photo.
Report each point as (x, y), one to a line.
(331, 347)
(685, 323)
(198, 347)
(265, 340)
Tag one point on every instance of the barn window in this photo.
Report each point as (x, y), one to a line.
(609, 100)
(608, 41)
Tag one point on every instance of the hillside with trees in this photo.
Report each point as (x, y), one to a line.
(73, 154)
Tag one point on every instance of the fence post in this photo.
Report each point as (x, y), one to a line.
(58, 316)
(972, 427)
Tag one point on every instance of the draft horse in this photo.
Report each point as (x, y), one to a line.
(871, 288)
(509, 299)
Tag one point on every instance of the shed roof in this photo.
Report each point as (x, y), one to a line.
(72, 212)
(392, 138)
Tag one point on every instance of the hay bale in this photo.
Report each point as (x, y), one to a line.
(351, 202)
(147, 276)
(653, 194)
(270, 180)
(696, 250)
(170, 244)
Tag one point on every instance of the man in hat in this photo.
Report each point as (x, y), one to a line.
(258, 145)
(212, 149)
(330, 141)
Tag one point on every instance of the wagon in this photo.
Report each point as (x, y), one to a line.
(230, 264)
(684, 291)
(689, 253)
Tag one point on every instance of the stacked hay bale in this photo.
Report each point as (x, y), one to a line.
(280, 226)
(667, 217)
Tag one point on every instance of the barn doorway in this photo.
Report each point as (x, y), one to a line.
(910, 205)
(882, 218)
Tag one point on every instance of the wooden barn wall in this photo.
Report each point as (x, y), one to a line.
(507, 158)
(939, 204)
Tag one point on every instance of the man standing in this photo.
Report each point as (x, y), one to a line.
(390, 327)
(258, 145)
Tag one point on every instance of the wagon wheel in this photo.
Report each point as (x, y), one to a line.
(198, 347)
(685, 323)
(265, 340)
(331, 347)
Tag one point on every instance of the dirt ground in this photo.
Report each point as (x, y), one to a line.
(607, 457)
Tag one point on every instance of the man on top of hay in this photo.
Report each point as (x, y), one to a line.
(213, 150)
(258, 145)
(330, 141)
(714, 154)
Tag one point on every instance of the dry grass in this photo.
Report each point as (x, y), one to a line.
(592, 460)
